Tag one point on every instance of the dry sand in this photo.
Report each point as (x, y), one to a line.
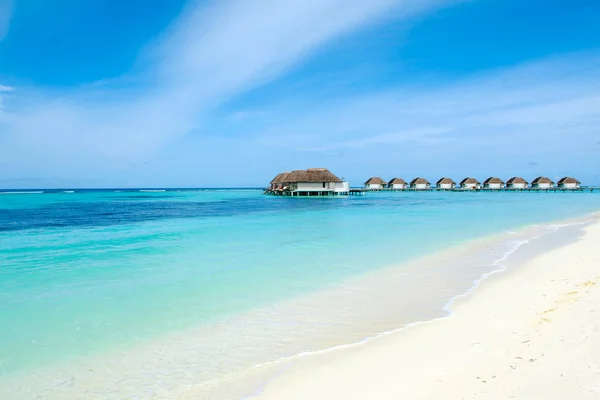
(532, 333)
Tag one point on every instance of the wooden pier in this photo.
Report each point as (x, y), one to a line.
(586, 189)
(363, 191)
(306, 193)
(320, 182)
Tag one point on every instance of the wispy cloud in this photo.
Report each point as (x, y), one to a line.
(214, 52)
(218, 51)
(542, 98)
(535, 118)
(6, 10)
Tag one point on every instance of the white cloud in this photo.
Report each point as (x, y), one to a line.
(545, 101)
(218, 51)
(6, 88)
(213, 53)
(6, 10)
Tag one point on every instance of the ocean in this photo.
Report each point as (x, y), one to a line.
(123, 294)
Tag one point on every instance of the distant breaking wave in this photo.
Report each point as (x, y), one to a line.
(37, 192)
(152, 190)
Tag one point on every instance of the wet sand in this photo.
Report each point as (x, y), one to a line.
(531, 332)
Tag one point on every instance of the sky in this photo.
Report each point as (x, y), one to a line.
(228, 93)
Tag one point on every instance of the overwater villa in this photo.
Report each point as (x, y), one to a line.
(493, 183)
(375, 183)
(276, 182)
(310, 182)
(470, 183)
(516, 183)
(397, 184)
(445, 184)
(420, 184)
(321, 182)
(569, 183)
(542, 182)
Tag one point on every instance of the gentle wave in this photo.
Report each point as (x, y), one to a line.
(152, 190)
(35, 192)
(500, 264)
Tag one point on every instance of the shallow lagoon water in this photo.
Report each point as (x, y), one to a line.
(85, 276)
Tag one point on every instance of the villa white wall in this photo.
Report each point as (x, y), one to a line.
(544, 185)
(445, 186)
(342, 186)
(316, 186)
(494, 186)
(398, 186)
(374, 186)
(421, 186)
(470, 186)
(519, 186)
(570, 185)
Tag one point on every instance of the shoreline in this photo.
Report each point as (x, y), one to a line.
(278, 367)
(344, 372)
(187, 390)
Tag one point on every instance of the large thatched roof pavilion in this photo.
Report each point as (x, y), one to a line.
(309, 182)
(311, 175)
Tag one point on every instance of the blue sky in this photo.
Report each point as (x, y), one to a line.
(107, 93)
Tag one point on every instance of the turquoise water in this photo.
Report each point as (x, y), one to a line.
(88, 272)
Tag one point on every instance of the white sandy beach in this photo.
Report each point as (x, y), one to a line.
(531, 333)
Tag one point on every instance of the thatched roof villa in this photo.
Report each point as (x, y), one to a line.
(569, 183)
(397, 183)
(542, 182)
(313, 175)
(276, 181)
(375, 183)
(493, 183)
(310, 182)
(322, 182)
(420, 184)
(445, 184)
(516, 182)
(470, 183)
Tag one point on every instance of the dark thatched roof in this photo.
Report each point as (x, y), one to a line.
(493, 179)
(419, 181)
(542, 179)
(445, 181)
(375, 181)
(397, 181)
(568, 179)
(280, 178)
(516, 179)
(276, 179)
(310, 175)
(469, 181)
